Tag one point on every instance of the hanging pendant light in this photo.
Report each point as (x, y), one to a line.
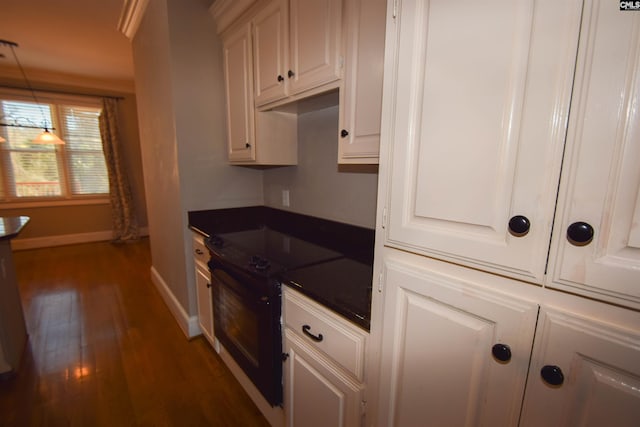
(46, 137)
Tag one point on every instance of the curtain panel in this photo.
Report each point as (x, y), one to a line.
(125, 224)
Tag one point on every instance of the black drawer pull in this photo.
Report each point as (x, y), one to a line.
(316, 338)
(199, 251)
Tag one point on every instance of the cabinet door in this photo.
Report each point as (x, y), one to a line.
(477, 97)
(317, 393)
(600, 367)
(314, 43)
(600, 183)
(205, 303)
(438, 339)
(361, 97)
(238, 75)
(270, 52)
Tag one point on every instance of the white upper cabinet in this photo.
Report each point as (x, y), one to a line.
(600, 186)
(254, 137)
(480, 94)
(238, 76)
(296, 47)
(270, 52)
(275, 53)
(315, 34)
(361, 93)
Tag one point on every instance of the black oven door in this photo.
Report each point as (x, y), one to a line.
(246, 314)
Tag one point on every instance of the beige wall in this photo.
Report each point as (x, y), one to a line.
(318, 186)
(178, 68)
(54, 225)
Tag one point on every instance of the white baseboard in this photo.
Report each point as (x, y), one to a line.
(65, 239)
(188, 324)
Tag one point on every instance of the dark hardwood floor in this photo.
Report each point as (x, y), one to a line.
(104, 350)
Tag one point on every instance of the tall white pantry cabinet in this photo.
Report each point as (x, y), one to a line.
(507, 288)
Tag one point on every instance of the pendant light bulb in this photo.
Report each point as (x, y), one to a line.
(47, 137)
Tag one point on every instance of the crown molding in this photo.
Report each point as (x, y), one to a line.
(130, 17)
(224, 12)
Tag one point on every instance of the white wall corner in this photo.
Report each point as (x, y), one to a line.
(188, 324)
(131, 16)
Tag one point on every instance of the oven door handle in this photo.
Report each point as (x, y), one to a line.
(316, 338)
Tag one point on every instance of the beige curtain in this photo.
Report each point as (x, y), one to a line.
(125, 224)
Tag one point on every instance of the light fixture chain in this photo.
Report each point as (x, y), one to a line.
(12, 46)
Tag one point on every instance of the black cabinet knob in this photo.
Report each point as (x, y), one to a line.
(247, 145)
(501, 352)
(519, 226)
(344, 133)
(552, 375)
(280, 78)
(580, 233)
(290, 73)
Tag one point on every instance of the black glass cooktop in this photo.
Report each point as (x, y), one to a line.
(267, 252)
(325, 275)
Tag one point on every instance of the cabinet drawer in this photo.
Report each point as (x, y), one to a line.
(200, 251)
(325, 331)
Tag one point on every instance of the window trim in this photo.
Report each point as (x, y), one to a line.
(55, 202)
(66, 199)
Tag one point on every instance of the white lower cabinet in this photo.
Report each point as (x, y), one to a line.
(584, 372)
(453, 353)
(323, 384)
(203, 288)
(462, 347)
(317, 392)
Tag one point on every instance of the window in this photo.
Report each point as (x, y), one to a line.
(51, 172)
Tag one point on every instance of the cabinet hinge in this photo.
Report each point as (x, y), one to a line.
(363, 412)
(395, 9)
(380, 282)
(384, 217)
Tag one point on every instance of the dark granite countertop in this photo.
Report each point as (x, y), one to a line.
(342, 285)
(11, 226)
(352, 241)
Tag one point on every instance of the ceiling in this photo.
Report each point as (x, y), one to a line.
(70, 37)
